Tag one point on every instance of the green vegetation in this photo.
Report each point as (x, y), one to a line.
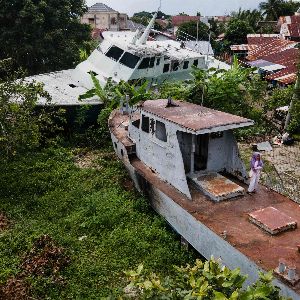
(22, 126)
(205, 281)
(273, 9)
(188, 31)
(237, 30)
(42, 36)
(85, 202)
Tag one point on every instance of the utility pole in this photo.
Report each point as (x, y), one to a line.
(295, 98)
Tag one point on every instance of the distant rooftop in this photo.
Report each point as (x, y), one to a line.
(194, 117)
(100, 7)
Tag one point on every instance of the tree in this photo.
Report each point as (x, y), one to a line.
(22, 126)
(236, 91)
(41, 35)
(271, 9)
(237, 30)
(188, 31)
(288, 8)
(252, 17)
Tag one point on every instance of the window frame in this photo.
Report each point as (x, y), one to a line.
(164, 137)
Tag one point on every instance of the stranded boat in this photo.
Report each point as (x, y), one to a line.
(130, 56)
(185, 158)
(127, 56)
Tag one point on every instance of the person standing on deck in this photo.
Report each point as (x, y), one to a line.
(256, 165)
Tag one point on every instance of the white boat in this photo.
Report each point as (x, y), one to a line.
(130, 56)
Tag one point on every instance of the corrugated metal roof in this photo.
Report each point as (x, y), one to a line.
(202, 47)
(100, 7)
(133, 26)
(273, 67)
(194, 117)
(258, 39)
(294, 30)
(287, 79)
(269, 48)
(243, 47)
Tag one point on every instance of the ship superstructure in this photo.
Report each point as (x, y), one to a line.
(131, 56)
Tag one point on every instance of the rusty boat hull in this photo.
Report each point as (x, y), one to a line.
(219, 229)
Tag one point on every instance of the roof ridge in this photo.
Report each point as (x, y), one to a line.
(99, 6)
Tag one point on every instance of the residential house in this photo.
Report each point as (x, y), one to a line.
(275, 57)
(102, 17)
(290, 26)
(179, 20)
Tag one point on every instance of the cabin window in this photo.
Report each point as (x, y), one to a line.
(158, 62)
(175, 66)
(136, 123)
(145, 124)
(186, 65)
(152, 61)
(144, 63)
(161, 132)
(129, 60)
(166, 68)
(114, 53)
(91, 21)
(196, 62)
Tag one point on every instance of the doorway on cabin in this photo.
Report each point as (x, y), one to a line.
(201, 152)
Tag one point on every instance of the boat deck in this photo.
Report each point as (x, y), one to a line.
(232, 217)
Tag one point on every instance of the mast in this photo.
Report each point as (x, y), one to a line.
(143, 39)
(294, 99)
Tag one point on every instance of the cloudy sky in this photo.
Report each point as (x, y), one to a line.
(206, 7)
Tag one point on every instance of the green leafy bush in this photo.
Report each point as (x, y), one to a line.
(203, 281)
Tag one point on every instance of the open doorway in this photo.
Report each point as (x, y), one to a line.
(201, 152)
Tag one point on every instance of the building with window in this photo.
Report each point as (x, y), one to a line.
(100, 16)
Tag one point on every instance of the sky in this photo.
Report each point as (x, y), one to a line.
(173, 7)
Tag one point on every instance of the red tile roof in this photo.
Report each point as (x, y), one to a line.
(178, 20)
(289, 58)
(257, 39)
(271, 47)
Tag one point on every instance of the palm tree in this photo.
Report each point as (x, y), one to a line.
(271, 9)
(251, 16)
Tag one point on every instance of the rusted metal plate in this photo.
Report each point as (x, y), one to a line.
(218, 187)
(272, 220)
(192, 116)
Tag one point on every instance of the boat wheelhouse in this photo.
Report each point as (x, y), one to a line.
(182, 141)
(130, 56)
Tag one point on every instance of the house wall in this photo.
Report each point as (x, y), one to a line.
(106, 20)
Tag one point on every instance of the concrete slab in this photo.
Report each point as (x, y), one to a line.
(218, 187)
(272, 220)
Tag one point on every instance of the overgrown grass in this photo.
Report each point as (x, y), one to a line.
(46, 193)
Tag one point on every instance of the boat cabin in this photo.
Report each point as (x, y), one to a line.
(181, 141)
